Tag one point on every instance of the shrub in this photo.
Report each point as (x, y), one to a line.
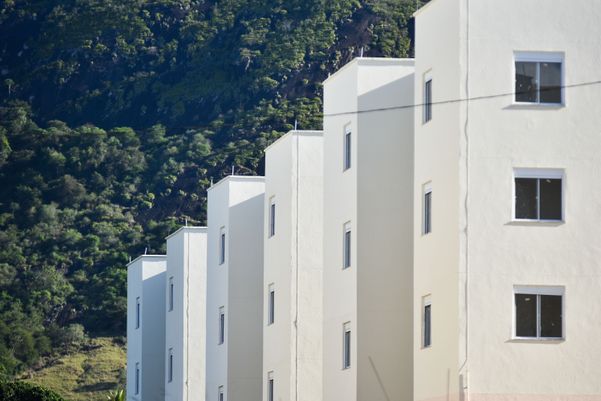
(21, 391)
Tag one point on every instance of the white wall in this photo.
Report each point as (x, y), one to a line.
(186, 323)
(293, 265)
(146, 281)
(236, 204)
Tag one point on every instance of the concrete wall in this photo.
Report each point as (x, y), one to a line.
(236, 206)
(186, 323)
(146, 281)
(375, 196)
(292, 347)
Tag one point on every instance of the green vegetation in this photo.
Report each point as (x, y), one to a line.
(89, 374)
(203, 84)
(21, 391)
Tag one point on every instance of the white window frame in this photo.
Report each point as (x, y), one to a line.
(138, 313)
(170, 365)
(270, 386)
(426, 301)
(541, 174)
(221, 326)
(272, 216)
(271, 304)
(222, 245)
(347, 363)
(428, 101)
(347, 148)
(170, 293)
(220, 393)
(539, 290)
(347, 246)
(137, 378)
(427, 224)
(540, 57)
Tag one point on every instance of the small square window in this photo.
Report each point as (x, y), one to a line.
(427, 209)
(221, 325)
(270, 387)
(346, 246)
(538, 78)
(222, 245)
(427, 322)
(272, 217)
(271, 305)
(346, 345)
(427, 100)
(347, 147)
(138, 312)
(538, 195)
(171, 289)
(538, 312)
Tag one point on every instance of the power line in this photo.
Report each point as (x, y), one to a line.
(452, 101)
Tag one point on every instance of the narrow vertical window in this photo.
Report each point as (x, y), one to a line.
(346, 246)
(221, 325)
(428, 100)
(427, 205)
(346, 345)
(427, 322)
(347, 147)
(222, 245)
(271, 305)
(220, 394)
(170, 366)
(538, 312)
(270, 387)
(137, 386)
(137, 312)
(272, 217)
(171, 293)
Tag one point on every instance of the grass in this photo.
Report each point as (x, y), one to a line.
(85, 375)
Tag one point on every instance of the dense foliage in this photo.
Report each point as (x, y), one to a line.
(21, 391)
(204, 84)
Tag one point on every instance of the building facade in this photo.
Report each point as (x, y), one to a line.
(185, 308)
(235, 289)
(368, 226)
(292, 277)
(146, 328)
(506, 154)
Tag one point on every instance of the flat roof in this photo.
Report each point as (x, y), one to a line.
(422, 8)
(372, 61)
(188, 228)
(295, 132)
(256, 178)
(147, 257)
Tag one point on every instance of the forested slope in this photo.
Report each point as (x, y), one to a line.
(115, 115)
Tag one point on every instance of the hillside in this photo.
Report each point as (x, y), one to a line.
(114, 117)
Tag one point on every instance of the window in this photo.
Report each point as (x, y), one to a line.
(272, 217)
(137, 312)
(220, 394)
(538, 194)
(538, 78)
(221, 325)
(346, 246)
(427, 216)
(346, 345)
(427, 100)
(170, 366)
(347, 147)
(270, 394)
(271, 305)
(170, 294)
(427, 322)
(538, 312)
(222, 245)
(137, 386)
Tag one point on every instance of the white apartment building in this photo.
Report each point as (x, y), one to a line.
(184, 303)
(145, 328)
(368, 231)
(507, 159)
(293, 260)
(235, 289)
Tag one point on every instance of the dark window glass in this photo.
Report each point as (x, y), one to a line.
(270, 390)
(221, 328)
(427, 212)
(550, 316)
(137, 313)
(271, 307)
(347, 249)
(526, 190)
(525, 82)
(550, 199)
(428, 101)
(427, 325)
(170, 370)
(222, 249)
(525, 315)
(347, 349)
(272, 220)
(347, 150)
(137, 379)
(220, 395)
(171, 295)
(550, 82)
